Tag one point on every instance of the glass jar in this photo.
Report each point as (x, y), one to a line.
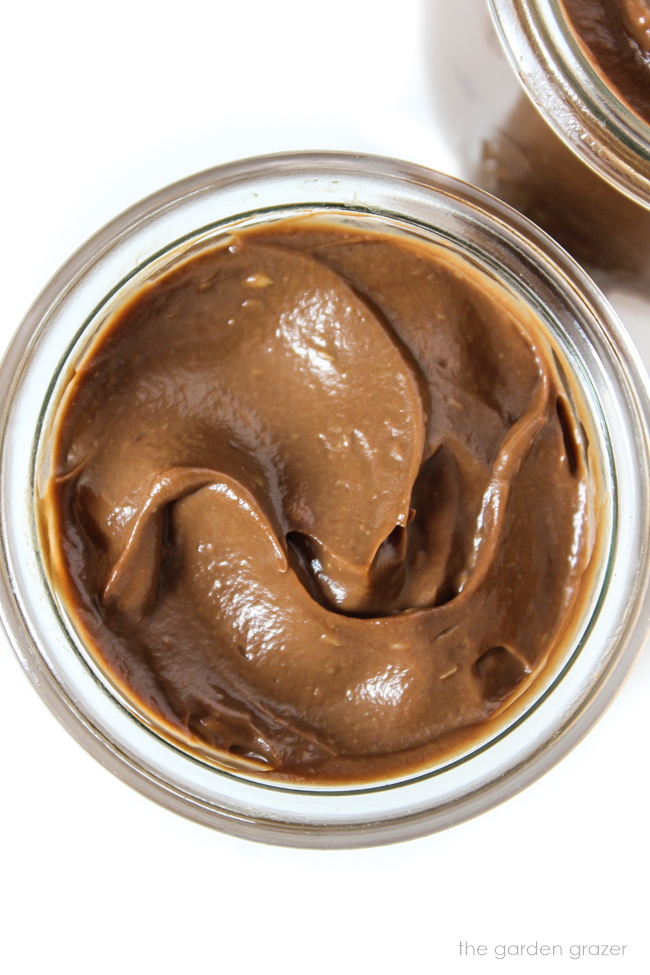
(562, 147)
(569, 696)
(573, 96)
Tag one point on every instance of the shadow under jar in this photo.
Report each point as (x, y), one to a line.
(328, 733)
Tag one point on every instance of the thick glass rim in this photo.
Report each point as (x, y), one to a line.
(572, 96)
(487, 231)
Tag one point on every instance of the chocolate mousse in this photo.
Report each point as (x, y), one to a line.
(320, 501)
(616, 36)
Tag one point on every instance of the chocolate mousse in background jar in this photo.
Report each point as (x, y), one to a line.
(565, 147)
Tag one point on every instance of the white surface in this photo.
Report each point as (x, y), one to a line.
(101, 105)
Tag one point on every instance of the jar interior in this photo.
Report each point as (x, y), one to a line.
(577, 386)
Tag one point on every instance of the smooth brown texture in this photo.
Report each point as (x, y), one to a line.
(320, 501)
(616, 35)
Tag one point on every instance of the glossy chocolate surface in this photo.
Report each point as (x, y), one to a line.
(320, 501)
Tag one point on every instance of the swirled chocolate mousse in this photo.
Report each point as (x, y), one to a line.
(319, 502)
(616, 36)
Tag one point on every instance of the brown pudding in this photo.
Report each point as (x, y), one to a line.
(319, 502)
(616, 36)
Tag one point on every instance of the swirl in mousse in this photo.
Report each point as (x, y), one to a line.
(320, 502)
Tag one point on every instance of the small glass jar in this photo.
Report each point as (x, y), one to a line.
(608, 230)
(562, 147)
(570, 694)
(573, 96)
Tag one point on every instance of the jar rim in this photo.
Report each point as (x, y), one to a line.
(362, 184)
(587, 114)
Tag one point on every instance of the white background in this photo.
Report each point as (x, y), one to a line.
(103, 104)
